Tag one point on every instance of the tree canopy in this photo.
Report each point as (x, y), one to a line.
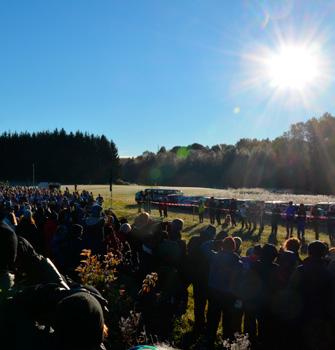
(302, 159)
(58, 156)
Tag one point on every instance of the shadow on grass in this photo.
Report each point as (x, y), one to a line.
(190, 228)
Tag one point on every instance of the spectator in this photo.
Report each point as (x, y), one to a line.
(224, 277)
(301, 222)
(290, 214)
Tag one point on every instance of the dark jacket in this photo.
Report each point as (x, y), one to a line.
(225, 272)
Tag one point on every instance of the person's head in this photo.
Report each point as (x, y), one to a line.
(209, 232)
(79, 322)
(8, 247)
(28, 215)
(287, 259)
(290, 203)
(228, 245)
(238, 243)
(125, 228)
(317, 250)
(176, 228)
(142, 220)
(96, 210)
(76, 231)
(292, 244)
(302, 205)
(269, 253)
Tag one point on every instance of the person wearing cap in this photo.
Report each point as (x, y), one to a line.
(225, 273)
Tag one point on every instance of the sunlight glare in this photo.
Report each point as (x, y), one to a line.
(293, 67)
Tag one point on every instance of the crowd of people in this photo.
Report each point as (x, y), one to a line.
(279, 299)
(252, 216)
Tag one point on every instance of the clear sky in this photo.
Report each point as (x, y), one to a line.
(148, 73)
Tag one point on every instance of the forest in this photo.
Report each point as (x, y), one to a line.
(302, 160)
(57, 156)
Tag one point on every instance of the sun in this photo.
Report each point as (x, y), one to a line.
(293, 67)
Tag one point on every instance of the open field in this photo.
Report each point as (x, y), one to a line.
(128, 193)
(123, 204)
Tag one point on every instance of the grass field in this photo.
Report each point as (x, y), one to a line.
(123, 204)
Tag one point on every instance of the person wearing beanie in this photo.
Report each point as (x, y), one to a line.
(79, 323)
(224, 278)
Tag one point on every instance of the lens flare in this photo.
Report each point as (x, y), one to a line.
(293, 67)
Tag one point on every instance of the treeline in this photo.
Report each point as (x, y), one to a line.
(57, 156)
(302, 159)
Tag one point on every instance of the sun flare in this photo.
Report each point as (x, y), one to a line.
(293, 67)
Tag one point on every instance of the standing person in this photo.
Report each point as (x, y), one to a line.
(139, 197)
(28, 230)
(243, 216)
(312, 284)
(161, 207)
(211, 210)
(254, 216)
(261, 284)
(301, 222)
(261, 209)
(290, 213)
(249, 216)
(293, 245)
(165, 207)
(201, 211)
(232, 211)
(223, 283)
(315, 219)
(275, 217)
(331, 224)
(218, 212)
(198, 274)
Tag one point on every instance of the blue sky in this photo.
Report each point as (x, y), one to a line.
(159, 72)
